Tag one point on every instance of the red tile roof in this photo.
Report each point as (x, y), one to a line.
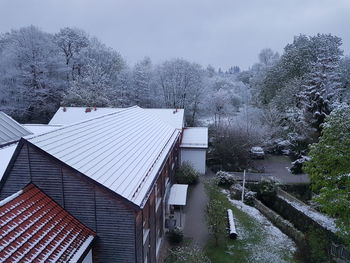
(34, 228)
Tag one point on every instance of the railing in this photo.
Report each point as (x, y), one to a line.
(340, 252)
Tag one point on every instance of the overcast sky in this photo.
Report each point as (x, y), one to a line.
(222, 33)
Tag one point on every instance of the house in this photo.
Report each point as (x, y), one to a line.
(113, 173)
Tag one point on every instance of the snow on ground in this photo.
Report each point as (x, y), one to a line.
(322, 219)
(275, 246)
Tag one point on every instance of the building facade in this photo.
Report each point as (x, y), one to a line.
(129, 225)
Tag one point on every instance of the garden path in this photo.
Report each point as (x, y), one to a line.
(195, 225)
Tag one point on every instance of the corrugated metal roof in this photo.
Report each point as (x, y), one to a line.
(40, 128)
(195, 137)
(174, 117)
(34, 228)
(70, 115)
(10, 130)
(122, 150)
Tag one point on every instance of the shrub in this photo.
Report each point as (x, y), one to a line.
(267, 189)
(236, 191)
(224, 179)
(175, 236)
(186, 174)
(297, 165)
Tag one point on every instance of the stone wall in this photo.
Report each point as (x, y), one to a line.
(285, 226)
(300, 220)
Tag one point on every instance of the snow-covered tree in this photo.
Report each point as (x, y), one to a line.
(71, 41)
(141, 83)
(329, 169)
(344, 73)
(321, 89)
(268, 57)
(31, 74)
(97, 82)
(180, 83)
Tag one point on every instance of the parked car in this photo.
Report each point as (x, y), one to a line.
(257, 153)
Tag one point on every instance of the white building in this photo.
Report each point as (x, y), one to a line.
(194, 146)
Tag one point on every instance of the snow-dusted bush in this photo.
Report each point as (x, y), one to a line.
(224, 179)
(236, 191)
(267, 189)
(297, 165)
(249, 197)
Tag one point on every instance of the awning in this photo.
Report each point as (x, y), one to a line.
(178, 194)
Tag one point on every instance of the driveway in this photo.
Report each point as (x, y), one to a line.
(195, 223)
(278, 166)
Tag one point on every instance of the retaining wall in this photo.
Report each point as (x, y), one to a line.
(284, 225)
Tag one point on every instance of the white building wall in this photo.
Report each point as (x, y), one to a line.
(194, 156)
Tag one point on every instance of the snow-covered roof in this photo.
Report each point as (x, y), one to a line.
(178, 194)
(123, 150)
(34, 228)
(7, 151)
(174, 117)
(195, 137)
(10, 130)
(70, 115)
(40, 128)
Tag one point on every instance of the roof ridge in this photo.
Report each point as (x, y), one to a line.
(80, 122)
(11, 197)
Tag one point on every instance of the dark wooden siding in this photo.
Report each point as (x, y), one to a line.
(84, 210)
(20, 174)
(109, 216)
(152, 222)
(115, 229)
(139, 237)
(46, 175)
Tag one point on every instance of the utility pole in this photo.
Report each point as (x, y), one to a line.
(243, 186)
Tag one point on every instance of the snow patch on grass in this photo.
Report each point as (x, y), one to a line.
(273, 246)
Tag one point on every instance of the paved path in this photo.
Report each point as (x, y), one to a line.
(195, 225)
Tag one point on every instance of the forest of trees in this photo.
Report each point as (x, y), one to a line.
(41, 71)
(284, 97)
